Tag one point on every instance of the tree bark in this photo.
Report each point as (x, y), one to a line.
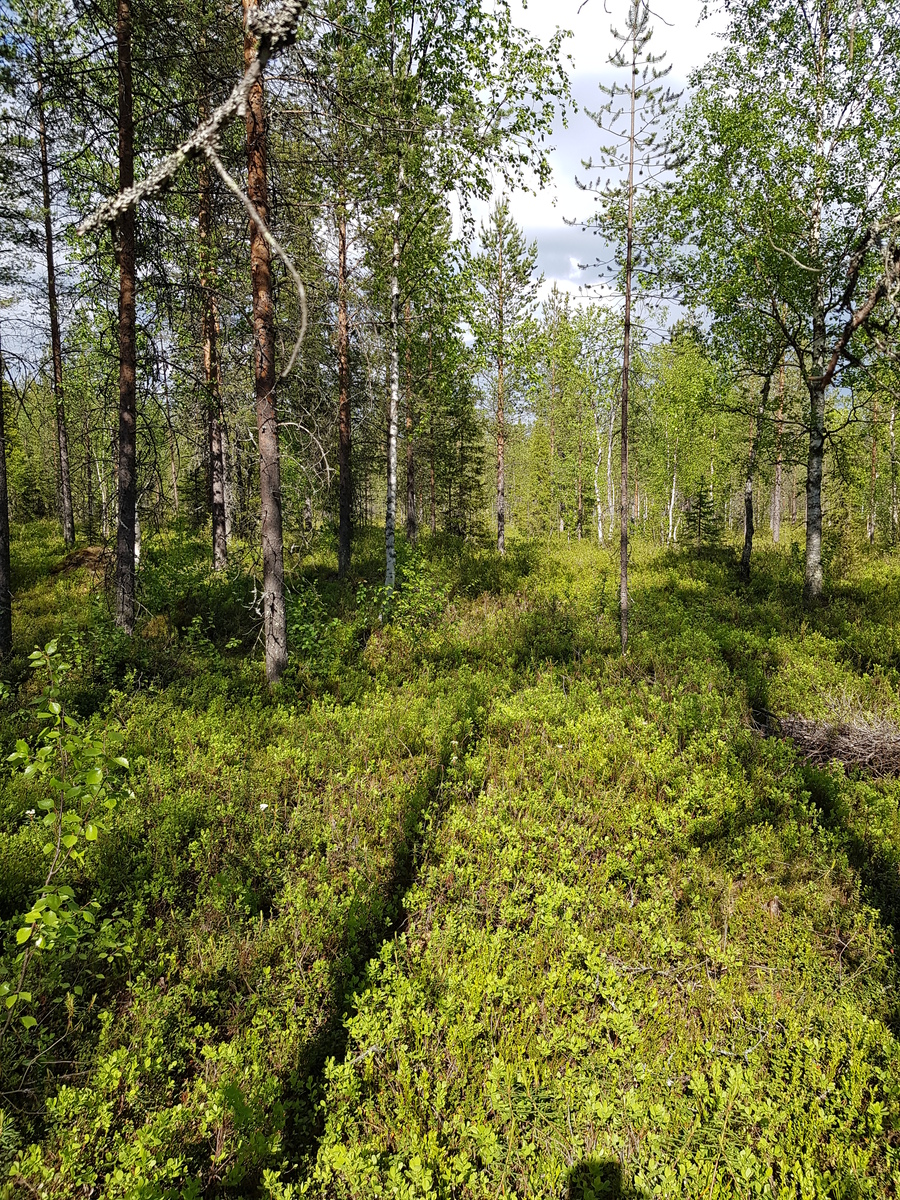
(345, 481)
(756, 430)
(597, 462)
(432, 496)
(579, 517)
(626, 370)
(271, 526)
(873, 477)
(125, 249)
(390, 516)
(813, 585)
(893, 476)
(673, 493)
(212, 373)
(411, 529)
(501, 430)
(779, 430)
(6, 640)
(66, 514)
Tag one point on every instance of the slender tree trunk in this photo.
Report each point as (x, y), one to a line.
(626, 371)
(390, 517)
(813, 586)
(431, 438)
(125, 239)
(6, 639)
(271, 527)
(610, 481)
(779, 428)
(67, 516)
(597, 461)
(501, 431)
(345, 484)
(88, 483)
(873, 475)
(673, 493)
(814, 582)
(579, 498)
(410, 454)
(755, 432)
(893, 476)
(212, 374)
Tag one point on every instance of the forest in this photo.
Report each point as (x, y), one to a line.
(449, 715)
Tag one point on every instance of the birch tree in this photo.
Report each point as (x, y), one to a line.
(792, 198)
(502, 296)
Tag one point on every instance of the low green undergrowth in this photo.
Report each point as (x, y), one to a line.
(470, 906)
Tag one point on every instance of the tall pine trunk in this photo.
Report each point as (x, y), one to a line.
(66, 514)
(211, 371)
(5, 567)
(125, 250)
(345, 482)
(271, 525)
(626, 371)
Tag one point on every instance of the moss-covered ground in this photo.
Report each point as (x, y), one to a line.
(471, 906)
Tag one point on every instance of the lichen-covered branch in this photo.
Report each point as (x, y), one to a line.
(275, 29)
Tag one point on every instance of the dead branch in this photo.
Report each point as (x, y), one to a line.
(871, 744)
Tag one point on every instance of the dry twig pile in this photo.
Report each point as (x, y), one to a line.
(870, 744)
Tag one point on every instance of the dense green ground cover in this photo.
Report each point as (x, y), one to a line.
(471, 907)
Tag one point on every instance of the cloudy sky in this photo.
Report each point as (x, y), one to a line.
(687, 41)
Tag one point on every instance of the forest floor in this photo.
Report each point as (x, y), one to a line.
(471, 906)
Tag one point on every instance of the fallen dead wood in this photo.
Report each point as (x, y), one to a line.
(872, 745)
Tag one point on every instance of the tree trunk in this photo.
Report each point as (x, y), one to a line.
(5, 566)
(431, 441)
(673, 493)
(748, 486)
(501, 431)
(410, 456)
(271, 527)
(125, 248)
(597, 461)
(345, 481)
(66, 514)
(390, 516)
(626, 370)
(893, 477)
(813, 585)
(873, 477)
(579, 518)
(88, 483)
(212, 374)
(779, 429)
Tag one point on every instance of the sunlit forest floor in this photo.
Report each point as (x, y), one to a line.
(471, 907)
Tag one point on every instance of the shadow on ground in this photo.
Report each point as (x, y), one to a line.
(598, 1179)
